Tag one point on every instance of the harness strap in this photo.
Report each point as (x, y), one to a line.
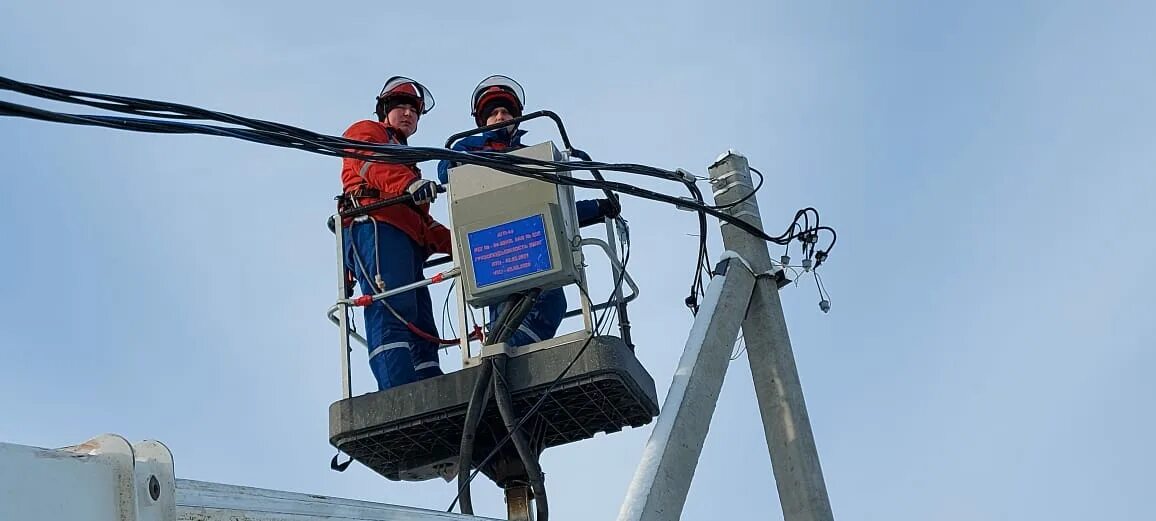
(350, 200)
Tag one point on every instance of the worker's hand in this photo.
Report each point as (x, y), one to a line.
(423, 191)
(607, 208)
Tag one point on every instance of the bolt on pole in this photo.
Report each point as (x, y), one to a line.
(794, 456)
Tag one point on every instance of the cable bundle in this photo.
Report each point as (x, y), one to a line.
(171, 118)
(175, 119)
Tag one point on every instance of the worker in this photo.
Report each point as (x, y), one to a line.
(497, 99)
(387, 248)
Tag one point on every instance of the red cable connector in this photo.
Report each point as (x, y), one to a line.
(476, 335)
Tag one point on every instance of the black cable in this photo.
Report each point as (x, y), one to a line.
(528, 456)
(516, 309)
(477, 404)
(611, 196)
(287, 136)
(745, 198)
(823, 293)
(178, 111)
(538, 404)
(703, 264)
(696, 283)
(339, 147)
(446, 309)
(525, 417)
(616, 291)
(616, 210)
(462, 488)
(622, 317)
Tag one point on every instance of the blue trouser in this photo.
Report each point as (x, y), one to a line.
(397, 355)
(544, 318)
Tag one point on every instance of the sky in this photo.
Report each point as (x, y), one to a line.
(987, 166)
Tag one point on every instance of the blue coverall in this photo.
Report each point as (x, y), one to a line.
(397, 355)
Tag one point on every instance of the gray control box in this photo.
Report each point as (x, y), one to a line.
(512, 233)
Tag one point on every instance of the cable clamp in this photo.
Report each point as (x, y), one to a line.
(686, 176)
(690, 206)
(730, 254)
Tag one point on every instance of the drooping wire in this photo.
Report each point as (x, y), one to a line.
(739, 352)
(286, 136)
(282, 135)
(389, 153)
(446, 308)
(624, 252)
(823, 293)
(611, 311)
(747, 197)
(598, 321)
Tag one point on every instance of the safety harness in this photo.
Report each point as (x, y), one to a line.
(351, 209)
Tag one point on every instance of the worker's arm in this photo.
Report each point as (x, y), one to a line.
(444, 171)
(466, 144)
(391, 179)
(437, 235)
(593, 211)
(439, 238)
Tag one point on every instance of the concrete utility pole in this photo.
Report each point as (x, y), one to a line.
(745, 293)
(658, 490)
(794, 457)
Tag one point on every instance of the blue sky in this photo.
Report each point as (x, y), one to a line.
(987, 165)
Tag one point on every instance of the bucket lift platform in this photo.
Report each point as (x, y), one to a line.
(511, 234)
(413, 432)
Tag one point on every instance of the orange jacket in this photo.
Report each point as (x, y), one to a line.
(391, 180)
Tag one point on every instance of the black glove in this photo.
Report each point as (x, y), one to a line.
(608, 208)
(423, 191)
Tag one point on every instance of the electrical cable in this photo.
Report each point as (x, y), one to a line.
(824, 295)
(286, 136)
(426, 335)
(534, 408)
(525, 417)
(282, 135)
(504, 401)
(479, 397)
(741, 350)
(528, 456)
(516, 309)
(624, 243)
(446, 308)
(386, 153)
(747, 197)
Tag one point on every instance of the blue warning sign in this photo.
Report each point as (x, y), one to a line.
(510, 250)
